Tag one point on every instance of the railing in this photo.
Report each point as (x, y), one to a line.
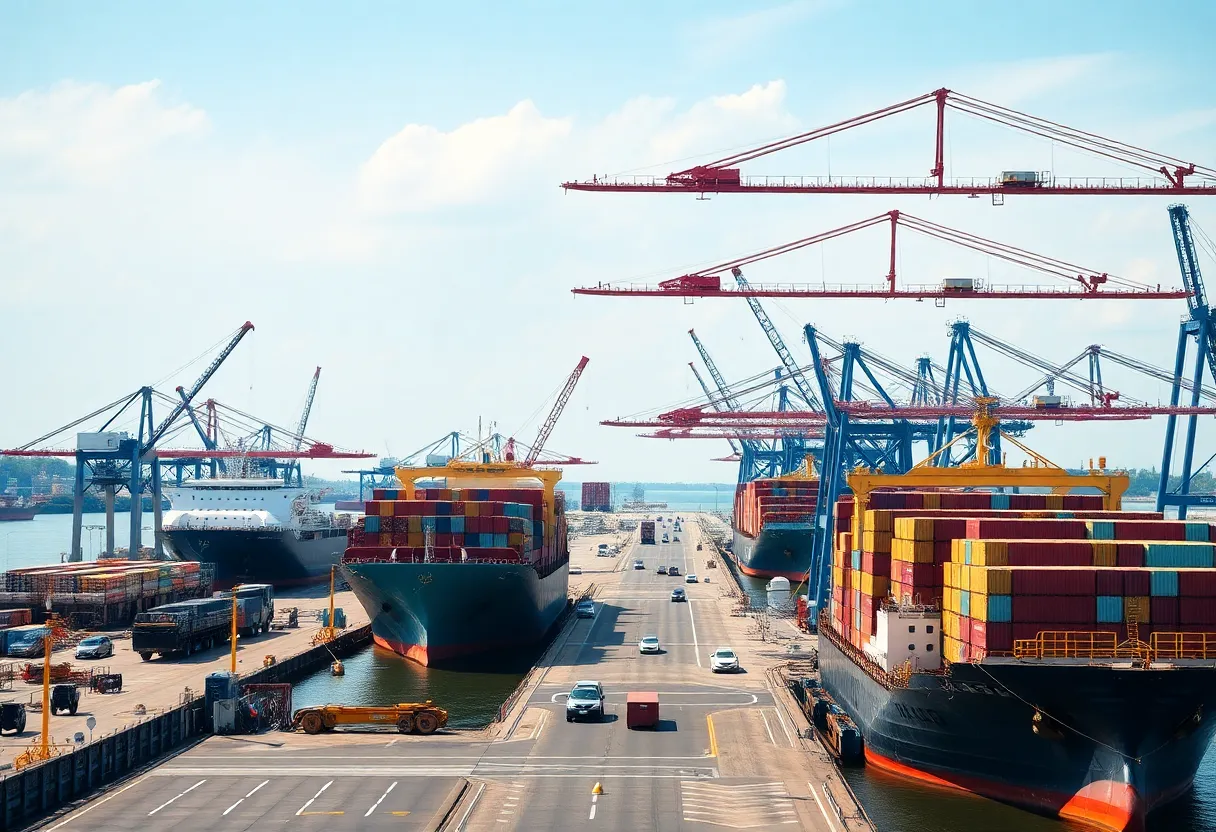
(1183, 645)
(1063, 644)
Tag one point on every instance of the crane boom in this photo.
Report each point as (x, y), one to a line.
(717, 404)
(1192, 280)
(188, 396)
(208, 442)
(312, 392)
(774, 338)
(542, 436)
(727, 397)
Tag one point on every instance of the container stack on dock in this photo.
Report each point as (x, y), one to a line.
(772, 522)
(443, 524)
(597, 496)
(106, 591)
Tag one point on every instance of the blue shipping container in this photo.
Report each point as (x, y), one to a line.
(1198, 531)
(1163, 583)
(1000, 608)
(1110, 609)
(371, 524)
(964, 602)
(1101, 530)
(1178, 555)
(856, 559)
(1000, 501)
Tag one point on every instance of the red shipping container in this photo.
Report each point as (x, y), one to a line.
(918, 574)
(876, 563)
(1129, 554)
(1198, 584)
(973, 499)
(838, 595)
(998, 636)
(1026, 529)
(1109, 582)
(1051, 610)
(1054, 581)
(1023, 631)
(1089, 502)
(641, 710)
(1163, 611)
(1150, 530)
(1050, 553)
(867, 607)
(1136, 582)
(1192, 611)
(964, 628)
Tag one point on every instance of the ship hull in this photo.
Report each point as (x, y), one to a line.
(436, 612)
(13, 513)
(780, 550)
(283, 558)
(1131, 740)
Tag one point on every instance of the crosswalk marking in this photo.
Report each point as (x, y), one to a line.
(736, 806)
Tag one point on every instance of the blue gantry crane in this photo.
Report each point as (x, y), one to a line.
(1196, 327)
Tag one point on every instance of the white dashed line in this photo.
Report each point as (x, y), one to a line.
(246, 797)
(300, 811)
(381, 800)
(170, 800)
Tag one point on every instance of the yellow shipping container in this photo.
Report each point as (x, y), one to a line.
(414, 539)
(386, 508)
(989, 553)
(876, 586)
(876, 520)
(837, 576)
(914, 528)
(949, 598)
(1104, 553)
(979, 606)
(991, 580)
(1054, 502)
(1139, 603)
(472, 509)
(386, 539)
(950, 623)
(932, 500)
(958, 550)
(879, 542)
(912, 551)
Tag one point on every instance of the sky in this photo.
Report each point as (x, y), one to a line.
(376, 188)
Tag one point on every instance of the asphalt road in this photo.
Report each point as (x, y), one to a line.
(540, 776)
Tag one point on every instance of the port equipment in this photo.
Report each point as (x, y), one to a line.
(409, 717)
(42, 749)
(327, 633)
(1164, 175)
(1076, 282)
(1196, 327)
(546, 428)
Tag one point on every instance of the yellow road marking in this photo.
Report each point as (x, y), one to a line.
(713, 737)
(401, 814)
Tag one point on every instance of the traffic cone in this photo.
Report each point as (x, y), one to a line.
(597, 789)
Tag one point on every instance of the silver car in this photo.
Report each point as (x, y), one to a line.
(95, 647)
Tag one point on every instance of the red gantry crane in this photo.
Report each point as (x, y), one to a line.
(542, 436)
(1163, 175)
(1076, 282)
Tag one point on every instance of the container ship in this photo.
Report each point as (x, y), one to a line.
(19, 508)
(255, 530)
(462, 559)
(1045, 650)
(772, 524)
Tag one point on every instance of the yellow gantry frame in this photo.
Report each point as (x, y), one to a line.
(1043, 474)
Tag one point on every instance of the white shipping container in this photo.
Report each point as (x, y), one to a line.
(107, 441)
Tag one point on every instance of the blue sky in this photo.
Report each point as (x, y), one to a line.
(376, 188)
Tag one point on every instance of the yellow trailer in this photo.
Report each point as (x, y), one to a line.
(409, 717)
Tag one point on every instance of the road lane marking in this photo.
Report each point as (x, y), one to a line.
(389, 744)
(713, 737)
(88, 809)
(540, 723)
(819, 803)
(170, 800)
(768, 730)
(246, 797)
(784, 728)
(472, 803)
(696, 647)
(381, 800)
(301, 810)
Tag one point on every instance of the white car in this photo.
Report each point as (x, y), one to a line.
(649, 644)
(576, 570)
(723, 660)
(690, 578)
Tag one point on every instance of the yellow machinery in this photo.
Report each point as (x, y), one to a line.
(409, 717)
(42, 749)
(329, 632)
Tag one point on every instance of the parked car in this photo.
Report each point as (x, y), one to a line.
(95, 647)
(677, 594)
(586, 699)
(585, 609)
(690, 578)
(649, 644)
(637, 564)
(723, 660)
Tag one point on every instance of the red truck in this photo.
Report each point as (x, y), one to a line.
(648, 531)
(642, 710)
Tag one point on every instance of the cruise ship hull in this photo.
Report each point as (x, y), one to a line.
(435, 612)
(283, 557)
(1113, 744)
(780, 550)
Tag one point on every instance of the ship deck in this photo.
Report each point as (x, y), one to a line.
(728, 750)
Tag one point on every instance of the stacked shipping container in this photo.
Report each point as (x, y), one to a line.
(473, 524)
(761, 502)
(597, 496)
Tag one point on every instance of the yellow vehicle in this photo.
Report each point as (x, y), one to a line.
(409, 717)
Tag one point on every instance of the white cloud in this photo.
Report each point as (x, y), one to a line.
(723, 37)
(422, 167)
(88, 131)
(1015, 82)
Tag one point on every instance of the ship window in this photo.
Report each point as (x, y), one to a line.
(912, 647)
(929, 648)
(911, 628)
(929, 629)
